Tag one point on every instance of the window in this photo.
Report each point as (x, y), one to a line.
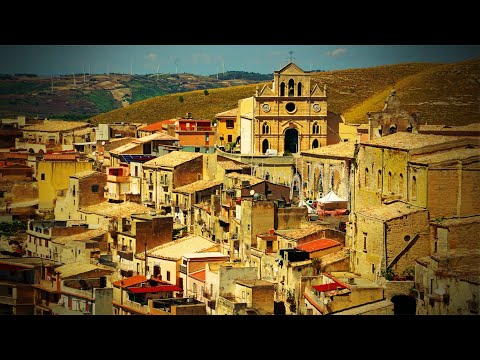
(168, 275)
(315, 128)
(265, 128)
(390, 181)
(207, 137)
(73, 191)
(156, 270)
(197, 149)
(393, 129)
(291, 87)
(229, 138)
(379, 179)
(290, 107)
(78, 252)
(138, 268)
(299, 87)
(406, 238)
(2, 193)
(130, 244)
(42, 177)
(373, 268)
(282, 89)
(95, 188)
(229, 124)
(136, 171)
(400, 184)
(10, 291)
(364, 242)
(195, 289)
(243, 295)
(366, 177)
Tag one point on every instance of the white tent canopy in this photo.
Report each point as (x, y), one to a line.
(309, 208)
(331, 197)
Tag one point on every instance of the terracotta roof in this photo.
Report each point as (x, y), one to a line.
(316, 245)
(174, 250)
(340, 150)
(198, 275)
(124, 209)
(152, 127)
(390, 211)
(456, 221)
(86, 235)
(328, 287)
(244, 177)
(61, 157)
(254, 283)
(172, 159)
(300, 233)
(228, 113)
(230, 165)
(410, 141)
(444, 156)
(154, 289)
(55, 125)
(134, 280)
(197, 186)
(84, 174)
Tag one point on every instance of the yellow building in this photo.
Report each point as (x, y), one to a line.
(54, 177)
(228, 129)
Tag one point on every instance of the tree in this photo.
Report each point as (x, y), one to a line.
(180, 98)
(205, 92)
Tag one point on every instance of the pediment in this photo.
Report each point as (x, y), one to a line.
(316, 91)
(291, 69)
(266, 91)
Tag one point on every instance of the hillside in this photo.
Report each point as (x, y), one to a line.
(74, 97)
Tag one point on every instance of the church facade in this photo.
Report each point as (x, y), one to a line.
(291, 116)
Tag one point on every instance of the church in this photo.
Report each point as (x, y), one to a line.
(290, 116)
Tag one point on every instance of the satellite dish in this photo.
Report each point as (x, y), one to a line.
(252, 192)
(103, 142)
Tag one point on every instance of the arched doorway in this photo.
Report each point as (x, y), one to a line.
(315, 144)
(404, 305)
(291, 140)
(264, 146)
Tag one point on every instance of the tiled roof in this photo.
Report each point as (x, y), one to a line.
(197, 186)
(134, 280)
(340, 150)
(300, 233)
(75, 269)
(335, 256)
(55, 125)
(468, 127)
(316, 245)
(152, 127)
(244, 177)
(154, 289)
(198, 275)
(230, 165)
(172, 159)
(228, 113)
(449, 155)
(390, 211)
(154, 136)
(174, 250)
(410, 141)
(124, 209)
(86, 235)
(84, 174)
(61, 157)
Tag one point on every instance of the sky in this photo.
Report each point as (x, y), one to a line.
(210, 59)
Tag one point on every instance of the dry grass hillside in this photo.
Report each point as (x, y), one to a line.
(441, 93)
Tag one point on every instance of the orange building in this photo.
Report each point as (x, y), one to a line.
(195, 135)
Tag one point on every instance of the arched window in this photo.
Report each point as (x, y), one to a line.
(390, 181)
(366, 177)
(265, 129)
(291, 87)
(265, 146)
(315, 128)
(282, 89)
(400, 185)
(393, 129)
(414, 187)
(299, 89)
(315, 144)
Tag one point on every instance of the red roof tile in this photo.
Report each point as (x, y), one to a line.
(198, 275)
(328, 287)
(152, 127)
(320, 244)
(134, 280)
(154, 289)
(61, 157)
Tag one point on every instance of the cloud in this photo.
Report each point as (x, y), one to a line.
(337, 52)
(151, 57)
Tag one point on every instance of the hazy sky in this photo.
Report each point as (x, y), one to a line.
(208, 59)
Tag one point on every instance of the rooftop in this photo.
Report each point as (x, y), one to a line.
(84, 174)
(336, 256)
(73, 269)
(134, 280)
(244, 177)
(55, 126)
(154, 289)
(126, 147)
(198, 275)
(359, 310)
(300, 233)
(204, 255)
(316, 245)
(231, 165)
(390, 211)
(84, 236)
(254, 283)
(29, 262)
(124, 209)
(340, 150)
(228, 113)
(174, 250)
(456, 221)
(152, 127)
(155, 136)
(444, 156)
(410, 141)
(469, 127)
(197, 186)
(61, 157)
(173, 159)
